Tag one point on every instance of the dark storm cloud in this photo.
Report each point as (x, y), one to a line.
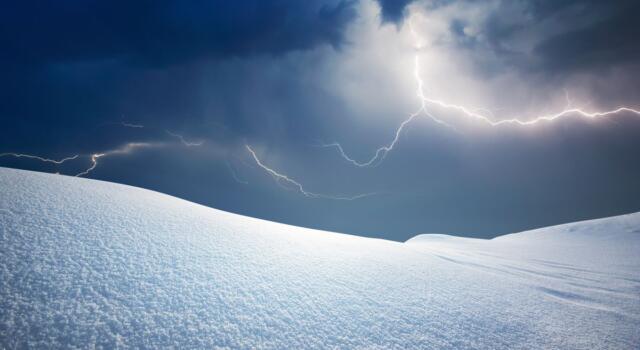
(613, 40)
(163, 31)
(569, 36)
(574, 35)
(70, 65)
(393, 10)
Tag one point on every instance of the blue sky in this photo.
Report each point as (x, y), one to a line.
(166, 95)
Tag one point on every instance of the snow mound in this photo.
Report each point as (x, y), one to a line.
(85, 263)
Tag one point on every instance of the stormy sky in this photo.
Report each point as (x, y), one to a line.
(167, 95)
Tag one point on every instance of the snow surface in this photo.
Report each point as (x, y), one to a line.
(85, 263)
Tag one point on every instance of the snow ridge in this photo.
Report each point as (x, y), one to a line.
(85, 263)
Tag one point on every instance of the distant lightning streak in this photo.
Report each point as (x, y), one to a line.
(548, 117)
(126, 149)
(183, 141)
(382, 152)
(234, 174)
(280, 178)
(125, 124)
(129, 125)
(46, 160)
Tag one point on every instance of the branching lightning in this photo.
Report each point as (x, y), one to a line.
(126, 149)
(94, 164)
(183, 141)
(536, 120)
(284, 179)
(382, 152)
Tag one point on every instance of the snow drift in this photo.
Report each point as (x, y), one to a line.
(85, 263)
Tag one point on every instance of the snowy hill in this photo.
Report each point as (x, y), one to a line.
(85, 263)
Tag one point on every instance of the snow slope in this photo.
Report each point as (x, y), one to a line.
(85, 263)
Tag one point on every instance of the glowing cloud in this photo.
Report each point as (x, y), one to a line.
(472, 113)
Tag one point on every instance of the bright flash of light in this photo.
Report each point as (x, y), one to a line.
(472, 113)
(46, 160)
(126, 149)
(284, 179)
(183, 141)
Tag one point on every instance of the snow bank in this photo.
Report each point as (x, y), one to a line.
(85, 263)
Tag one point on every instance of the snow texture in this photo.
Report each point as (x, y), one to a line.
(87, 264)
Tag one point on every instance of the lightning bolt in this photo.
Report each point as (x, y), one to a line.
(46, 160)
(94, 164)
(281, 178)
(536, 120)
(183, 141)
(381, 153)
(126, 149)
(568, 111)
